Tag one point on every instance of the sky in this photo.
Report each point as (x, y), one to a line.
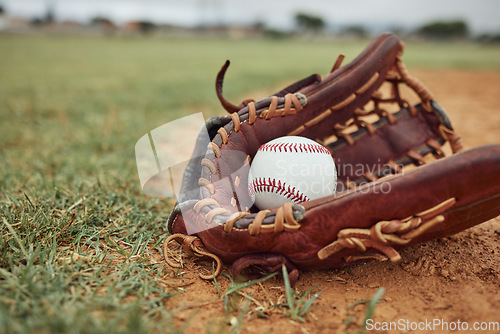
(481, 15)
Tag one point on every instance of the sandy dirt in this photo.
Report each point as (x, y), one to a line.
(455, 279)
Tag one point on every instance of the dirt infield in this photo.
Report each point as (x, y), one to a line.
(455, 280)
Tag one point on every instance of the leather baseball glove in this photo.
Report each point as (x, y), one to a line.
(401, 178)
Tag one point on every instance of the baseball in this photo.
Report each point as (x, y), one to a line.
(291, 168)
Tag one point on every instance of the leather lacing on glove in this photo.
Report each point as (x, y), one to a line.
(380, 236)
(386, 233)
(191, 245)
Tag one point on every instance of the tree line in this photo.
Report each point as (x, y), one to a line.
(435, 30)
(315, 25)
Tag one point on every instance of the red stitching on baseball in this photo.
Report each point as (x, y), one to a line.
(294, 147)
(262, 184)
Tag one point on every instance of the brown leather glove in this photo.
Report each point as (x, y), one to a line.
(396, 185)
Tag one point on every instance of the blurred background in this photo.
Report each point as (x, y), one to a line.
(238, 18)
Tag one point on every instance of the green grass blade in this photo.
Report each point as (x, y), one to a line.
(16, 237)
(308, 303)
(244, 285)
(289, 293)
(370, 309)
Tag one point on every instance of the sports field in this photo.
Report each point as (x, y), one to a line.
(80, 244)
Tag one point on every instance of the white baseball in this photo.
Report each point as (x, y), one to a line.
(291, 168)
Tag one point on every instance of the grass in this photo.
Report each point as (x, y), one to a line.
(370, 305)
(297, 304)
(79, 242)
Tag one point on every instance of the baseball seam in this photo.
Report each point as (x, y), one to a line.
(262, 184)
(294, 147)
